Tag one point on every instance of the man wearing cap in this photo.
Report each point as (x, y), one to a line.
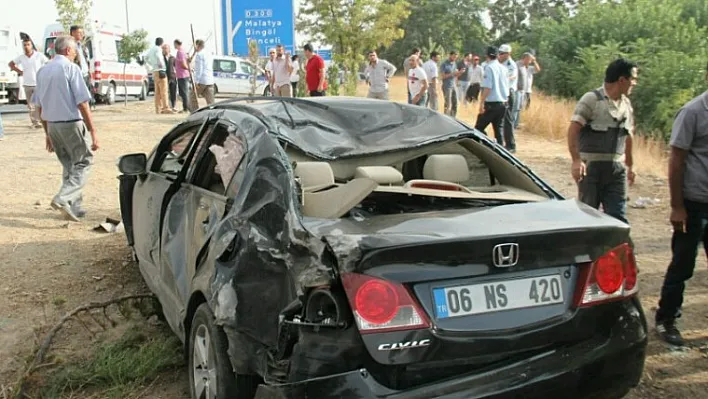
(600, 141)
(493, 101)
(512, 75)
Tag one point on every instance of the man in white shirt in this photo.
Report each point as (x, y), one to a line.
(295, 76)
(204, 73)
(29, 63)
(431, 70)
(269, 65)
(476, 78)
(282, 69)
(417, 82)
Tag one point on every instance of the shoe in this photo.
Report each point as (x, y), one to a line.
(670, 333)
(80, 213)
(66, 210)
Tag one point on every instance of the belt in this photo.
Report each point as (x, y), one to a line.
(593, 156)
(495, 102)
(71, 121)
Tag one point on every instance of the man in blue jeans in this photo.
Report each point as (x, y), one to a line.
(688, 183)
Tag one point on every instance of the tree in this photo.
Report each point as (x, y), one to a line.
(431, 26)
(664, 39)
(352, 28)
(253, 55)
(131, 46)
(74, 12)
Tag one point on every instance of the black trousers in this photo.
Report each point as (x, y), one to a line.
(509, 140)
(473, 92)
(172, 87)
(684, 248)
(315, 93)
(183, 87)
(493, 114)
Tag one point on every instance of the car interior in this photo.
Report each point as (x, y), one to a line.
(435, 177)
(223, 151)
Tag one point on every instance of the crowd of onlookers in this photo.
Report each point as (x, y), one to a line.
(463, 81)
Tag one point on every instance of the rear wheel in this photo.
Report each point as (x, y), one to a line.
(210, 372)
(143, 92)
(111, 94)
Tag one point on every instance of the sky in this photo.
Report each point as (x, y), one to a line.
(155, 16)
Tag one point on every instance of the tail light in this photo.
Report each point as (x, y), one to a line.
(611, 277)
(97, 71)
(381, 305)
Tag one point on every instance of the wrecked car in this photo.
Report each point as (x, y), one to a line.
(352, 248)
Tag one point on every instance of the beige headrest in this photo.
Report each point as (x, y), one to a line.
(446, 167)
(379, 174)
(314, 174)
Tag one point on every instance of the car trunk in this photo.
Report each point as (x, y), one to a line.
(497, 284)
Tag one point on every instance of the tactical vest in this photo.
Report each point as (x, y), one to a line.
(598, 145)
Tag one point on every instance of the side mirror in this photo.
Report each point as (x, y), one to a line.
(133, 164)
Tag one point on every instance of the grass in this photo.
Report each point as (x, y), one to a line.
(118, 368)
(548, 118)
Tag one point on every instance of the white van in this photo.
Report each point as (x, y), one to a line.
(107, 73)
(10, 48)
(232, 75)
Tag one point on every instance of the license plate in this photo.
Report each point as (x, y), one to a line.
(497, 296)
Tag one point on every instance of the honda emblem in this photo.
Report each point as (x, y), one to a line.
(505, 255)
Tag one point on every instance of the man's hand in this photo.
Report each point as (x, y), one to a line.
(94, 141)
(578, 170)
(48, 144)
(630, 175)
(678, 219)
(481, 107)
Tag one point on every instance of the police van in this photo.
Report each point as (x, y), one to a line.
(232, 75)
(109, 74)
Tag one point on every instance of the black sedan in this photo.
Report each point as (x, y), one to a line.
(353, 248)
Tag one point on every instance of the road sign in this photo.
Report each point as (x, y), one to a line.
(325, 54)
(269, 22)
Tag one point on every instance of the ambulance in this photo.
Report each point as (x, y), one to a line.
(107, 70)
(11, 90)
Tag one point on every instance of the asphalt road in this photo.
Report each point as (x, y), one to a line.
(19, 111)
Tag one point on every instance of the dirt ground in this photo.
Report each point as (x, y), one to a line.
(49, 266)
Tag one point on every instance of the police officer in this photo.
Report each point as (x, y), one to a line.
(600, 141)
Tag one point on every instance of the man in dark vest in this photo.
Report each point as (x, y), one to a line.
(600, 141)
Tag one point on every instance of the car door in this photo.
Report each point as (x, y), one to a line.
(245, 77)
(166, 169)
(196, 208)
(225, 79)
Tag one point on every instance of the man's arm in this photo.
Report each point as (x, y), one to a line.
(323, 76)
(424, 89)
(14, 67)
(677, 167)
(682, 135)
(83, 97)
(391, 70)
(574, 140)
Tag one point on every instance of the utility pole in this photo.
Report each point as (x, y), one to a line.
(127, 20)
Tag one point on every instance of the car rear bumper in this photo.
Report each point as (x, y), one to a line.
(597, 369)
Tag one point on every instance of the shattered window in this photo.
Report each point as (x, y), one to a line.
(228, 157)
(176, 154)
(220, 157)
